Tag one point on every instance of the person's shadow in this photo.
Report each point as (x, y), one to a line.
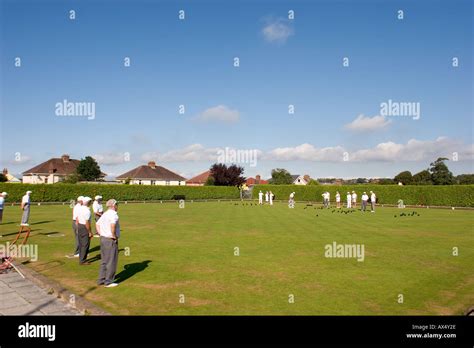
(130, 270)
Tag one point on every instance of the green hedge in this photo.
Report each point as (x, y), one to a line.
(65, 192)
(449, 195)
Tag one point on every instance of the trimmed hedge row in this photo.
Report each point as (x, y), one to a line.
(66, 192)
(449, 195)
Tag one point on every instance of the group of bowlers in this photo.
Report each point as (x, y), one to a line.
(107, 228)
(351, 200)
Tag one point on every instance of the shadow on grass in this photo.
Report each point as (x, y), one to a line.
(42, 222)
(24, 232)
(130, 270)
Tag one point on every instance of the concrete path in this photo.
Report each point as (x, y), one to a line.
(20, 296)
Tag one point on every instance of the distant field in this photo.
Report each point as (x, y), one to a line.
(190, 251)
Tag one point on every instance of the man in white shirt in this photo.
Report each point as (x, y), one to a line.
(271, 197)
(98, 210)
(291, 201)
(325, 199)
(365, 198)
(260, 197)
(74, 224)
(3, 195)
(338, 200)
(354, 199)
(25, 206)
(108, 227)
(349, 200)
(84, 230)
(373, 200)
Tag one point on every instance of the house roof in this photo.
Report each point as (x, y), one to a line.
(58, 166)
(151, 171)
(253, 181)
(199, 179)
(294, 177)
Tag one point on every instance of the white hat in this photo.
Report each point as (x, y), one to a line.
(28, 192)
(86, 199)
(80, 198)
(4, 193)
(111, 202)
(98, 197)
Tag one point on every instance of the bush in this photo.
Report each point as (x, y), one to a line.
(66, 192)
(449, 195)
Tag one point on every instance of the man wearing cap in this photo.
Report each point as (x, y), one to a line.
(373, 200)
(365, 198)
(109, 229)
(3, 195)
(25, 206)
(354, 199)
(84, 233)
(75, 211)
(98, 211)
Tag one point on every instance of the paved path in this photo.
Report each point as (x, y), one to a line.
(20, 296)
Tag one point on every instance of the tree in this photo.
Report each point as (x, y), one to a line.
(3, 178)
(210, 181)
(440, 174)
(386, 181)
(404, 177)
(227, 176)
(88, 169)
(313, 182)
(465, 179)
(72, 178)
(422, 178)
(281, 176)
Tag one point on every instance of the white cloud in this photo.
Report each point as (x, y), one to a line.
(194, 152)
(305, 152)
(413, 150)
(277, 30)
(368, 124)
(112, 158)
(219, 113)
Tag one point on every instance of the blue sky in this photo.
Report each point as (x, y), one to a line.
(282, 62)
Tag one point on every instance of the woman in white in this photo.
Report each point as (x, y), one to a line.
(271, 198)
(349, 200)
(338, 200)
(266, 197)
(373, 200)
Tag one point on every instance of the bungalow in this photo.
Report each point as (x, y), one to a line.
(52, 171)
(199, 180)
(10, 178)
(255, 181)
(151, 174)
(301, 179)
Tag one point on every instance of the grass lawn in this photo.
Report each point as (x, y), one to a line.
(190, 251)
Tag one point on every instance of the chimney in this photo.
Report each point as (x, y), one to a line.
(152, 164)
(5, 171)
(257, 179)
(65, 158)
(307, 178)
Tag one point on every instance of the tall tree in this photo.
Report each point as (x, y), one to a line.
(3, 178)
(404, 177)
(440, 174)
(281, 176)
(88, 169)
(422, 178)
(227, 176)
